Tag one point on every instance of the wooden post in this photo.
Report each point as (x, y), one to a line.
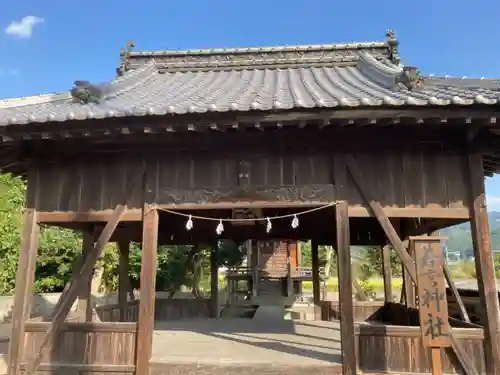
(123, 277)
(214, 281)
(24, 288)
(85, 295)
(316, 280)
(387, 273)
(253, 263)
(485, 269)
(409, 285)
(147, 290)
(289, 279)
(345, 290)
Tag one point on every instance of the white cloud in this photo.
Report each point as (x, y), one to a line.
(493, 202)
(8, 72)
(24, 28)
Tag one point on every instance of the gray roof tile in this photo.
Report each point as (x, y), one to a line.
(326, 76)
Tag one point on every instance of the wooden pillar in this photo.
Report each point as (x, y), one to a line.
(345, 290)
(289, 279)
(85, 294)
(123, 277)
(485, 269)
(408, 284)
(214, 281)
(256, 259)
(299, 265)
(24, 289)
(387, 273)
(147, 290)
(316, 280)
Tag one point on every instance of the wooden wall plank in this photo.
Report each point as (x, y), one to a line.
(434, 180)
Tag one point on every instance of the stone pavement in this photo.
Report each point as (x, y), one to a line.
(247, 342)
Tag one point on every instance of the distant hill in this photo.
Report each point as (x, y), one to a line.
(460, 240)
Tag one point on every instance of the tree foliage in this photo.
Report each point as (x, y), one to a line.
(306, 257)
(177, 266)
(58, 248)
(369, 262)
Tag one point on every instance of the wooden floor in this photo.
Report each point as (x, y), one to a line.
(246, 344)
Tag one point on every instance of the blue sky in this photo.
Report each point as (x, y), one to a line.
(72, 40)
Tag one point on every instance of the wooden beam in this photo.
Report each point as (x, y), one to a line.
(315, 279)
(85, 217)
(485, 268)
(24, 285)
(405, 212)
(124, 286)
(345, 290)
(387, 273)
(85, 293)
(147, 290)
(463, 311)
(214, 281)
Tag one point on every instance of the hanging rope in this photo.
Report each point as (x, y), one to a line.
(268, 219)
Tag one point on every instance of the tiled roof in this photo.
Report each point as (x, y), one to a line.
(199, 81)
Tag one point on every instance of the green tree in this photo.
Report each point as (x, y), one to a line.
(369, 262)
(306, 257)
(497, 265)
(58, 248)
(177, 266)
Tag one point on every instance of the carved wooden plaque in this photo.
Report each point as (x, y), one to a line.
(246, 213)
(320, 194)
(431, 289)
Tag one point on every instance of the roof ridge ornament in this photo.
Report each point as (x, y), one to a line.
(410, 77)
(85, 92)
(125, 58)
(393, 46)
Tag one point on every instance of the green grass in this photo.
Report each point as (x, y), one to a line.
(374, 284)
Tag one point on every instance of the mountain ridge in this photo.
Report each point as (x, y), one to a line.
(460, 239)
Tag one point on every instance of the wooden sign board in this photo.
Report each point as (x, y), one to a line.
(246, 213)
(431, 290)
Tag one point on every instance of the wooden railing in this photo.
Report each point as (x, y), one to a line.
(111, 313)
(83, 348)
(165, 309)
(239, 271)
(399, 349)
(330, 310)
(304, 272)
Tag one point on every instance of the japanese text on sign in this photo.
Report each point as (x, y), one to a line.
(431, 292)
